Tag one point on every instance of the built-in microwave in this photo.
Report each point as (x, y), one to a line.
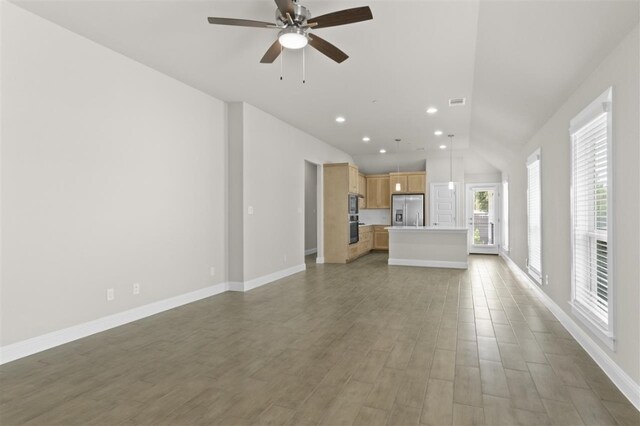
(353, 204)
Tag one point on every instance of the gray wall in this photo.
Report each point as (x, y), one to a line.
(310, 206)
(620, 70)
(112, 174)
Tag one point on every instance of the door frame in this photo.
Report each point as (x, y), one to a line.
(483, 249)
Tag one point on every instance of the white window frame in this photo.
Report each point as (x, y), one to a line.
(505, 215)
(605, 332)
(535, 156)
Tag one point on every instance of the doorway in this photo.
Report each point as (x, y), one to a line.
(442, 212)
(483, 218)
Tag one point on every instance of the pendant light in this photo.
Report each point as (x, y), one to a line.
(398, 185)
(451, 184)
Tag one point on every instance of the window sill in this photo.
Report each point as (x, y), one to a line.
(604, 335)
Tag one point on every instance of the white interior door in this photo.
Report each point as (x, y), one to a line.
(442, 210)
(483, 218)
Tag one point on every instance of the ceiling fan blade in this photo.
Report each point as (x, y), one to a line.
(342, 17)
(327, 48)
(272, 53)
(285, 6)
(241, 22)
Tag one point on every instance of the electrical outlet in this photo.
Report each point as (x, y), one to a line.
(111, 294)
(136, 288)
(250, 210)
(285, 258)
(212, 271)
(546, 279)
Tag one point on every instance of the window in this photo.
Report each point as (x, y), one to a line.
(590, 133)
(534, 217)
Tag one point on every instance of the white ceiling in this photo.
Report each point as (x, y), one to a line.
(514, 61)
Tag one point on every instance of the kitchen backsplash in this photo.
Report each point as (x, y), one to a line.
(375, 216)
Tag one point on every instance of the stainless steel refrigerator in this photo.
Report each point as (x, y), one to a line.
(407, 210)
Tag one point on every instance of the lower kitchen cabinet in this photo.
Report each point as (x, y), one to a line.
(380, 237)
(364, 244)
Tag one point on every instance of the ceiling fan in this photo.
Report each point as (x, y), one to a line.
(294, 22)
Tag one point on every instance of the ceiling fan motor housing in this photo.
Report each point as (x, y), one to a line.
(300, 15)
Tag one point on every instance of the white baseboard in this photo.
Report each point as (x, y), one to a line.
(429, 263)
(265, 279)
(618, 376)
(319, 259)
(236, 286)
(56, 338)
(307, 252)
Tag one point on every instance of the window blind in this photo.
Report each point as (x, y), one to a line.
(534, 219)
(590, 218)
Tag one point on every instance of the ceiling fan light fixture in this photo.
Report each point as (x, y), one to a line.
(293, 38)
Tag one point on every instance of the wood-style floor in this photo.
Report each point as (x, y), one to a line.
(363, 344)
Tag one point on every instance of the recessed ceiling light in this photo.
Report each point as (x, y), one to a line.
(432, 110)
(341, 119)
(437, 132)
(443, 146)
(366, 139)
(382, 151)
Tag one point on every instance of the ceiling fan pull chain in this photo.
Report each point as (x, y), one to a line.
(304, 71)
(281, 55)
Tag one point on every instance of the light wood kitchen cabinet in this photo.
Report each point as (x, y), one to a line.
(362, 185)
(378, 196)
(395, 178)
(417, 183)
(364, 244)
(340, 179)
(362, 192)
(410, 183)
(380, 237)
(353, 179)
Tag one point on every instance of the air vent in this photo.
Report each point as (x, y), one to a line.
(457, 102)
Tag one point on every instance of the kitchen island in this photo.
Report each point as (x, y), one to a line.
(428, 246)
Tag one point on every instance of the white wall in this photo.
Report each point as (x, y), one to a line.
(310, 206)
(274, 161)
(112, 173)
(620, 70)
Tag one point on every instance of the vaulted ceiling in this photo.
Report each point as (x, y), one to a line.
(514, 61)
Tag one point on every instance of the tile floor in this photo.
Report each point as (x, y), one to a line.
(362, 344)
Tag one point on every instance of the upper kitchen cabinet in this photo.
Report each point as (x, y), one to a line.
(394, 180)
(410, 183)
(378, 196)
(353, 179)
(362, 185)
(362, 191)
(417, 182)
